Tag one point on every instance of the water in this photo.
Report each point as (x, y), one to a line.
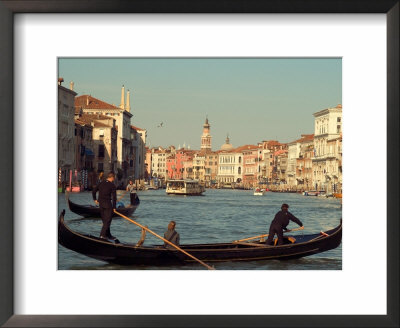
(218, 216)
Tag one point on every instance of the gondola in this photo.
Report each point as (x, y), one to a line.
(91, 211)
(295, 246)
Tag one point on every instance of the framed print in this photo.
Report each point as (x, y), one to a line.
(35, 34)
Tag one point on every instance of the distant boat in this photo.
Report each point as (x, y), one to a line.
(184, 187)
(310, 193)
(258, 192)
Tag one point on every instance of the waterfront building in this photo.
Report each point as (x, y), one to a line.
(251, 165)
(327, 128)
(304, 162)
(292, 155)
(122, 116)
(159, 162)
(334, 165)
(84, 154)
(66, 133)
(138, 154)
(148, 162)
(269, 147)
(104, 140)
(279, 169)
(210, 168)
(230, 167)
(199, 166)
(187, 165)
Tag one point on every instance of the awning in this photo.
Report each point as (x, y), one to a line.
(89, 152)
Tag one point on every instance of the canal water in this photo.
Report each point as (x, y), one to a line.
(220, 215)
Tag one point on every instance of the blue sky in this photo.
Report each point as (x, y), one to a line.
(251, 99)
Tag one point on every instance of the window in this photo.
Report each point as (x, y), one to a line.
(101, 150)
(100, 167)
(338, 119)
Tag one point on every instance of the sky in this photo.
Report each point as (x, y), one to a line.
(251, 99)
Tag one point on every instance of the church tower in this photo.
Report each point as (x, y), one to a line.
(206, 137)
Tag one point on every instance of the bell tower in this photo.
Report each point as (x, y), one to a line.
(206, 137)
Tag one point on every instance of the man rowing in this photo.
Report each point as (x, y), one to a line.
(279, 223)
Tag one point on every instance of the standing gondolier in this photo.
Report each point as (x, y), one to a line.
(279, 223)
(107, 202)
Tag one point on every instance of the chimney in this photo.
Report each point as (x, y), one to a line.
(122, 105)
(71, 86)
(128, 100)
(87, 100)
(60, 80)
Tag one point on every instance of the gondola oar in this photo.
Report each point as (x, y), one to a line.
(261, 236)
(165, 240)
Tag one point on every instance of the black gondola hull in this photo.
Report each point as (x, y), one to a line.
(89, 211)
(129, 254)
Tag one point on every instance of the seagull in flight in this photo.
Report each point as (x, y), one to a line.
(160, 125)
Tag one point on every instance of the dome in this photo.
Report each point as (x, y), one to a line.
(227, 145)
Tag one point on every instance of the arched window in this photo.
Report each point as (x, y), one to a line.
(239, 170)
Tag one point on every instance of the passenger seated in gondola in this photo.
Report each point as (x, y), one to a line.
(279, 223)
(171, 235)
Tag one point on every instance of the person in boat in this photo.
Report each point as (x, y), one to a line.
(171, 235)
(279, 223)
(132, 191)
(107, 201)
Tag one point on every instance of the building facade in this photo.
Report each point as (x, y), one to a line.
(66, 134)
(122, 115)
(327, 127)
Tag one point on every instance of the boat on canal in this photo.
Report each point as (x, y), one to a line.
(258, 192)
(184, 187)
(92, 211)
(295, 246)
(310, 193)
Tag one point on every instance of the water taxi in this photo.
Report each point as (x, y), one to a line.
(258, 192)
(184, 187)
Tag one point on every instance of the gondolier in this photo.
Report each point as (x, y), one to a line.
(279, 223)
(107, 203)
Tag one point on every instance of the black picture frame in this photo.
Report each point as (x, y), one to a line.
(10, 7)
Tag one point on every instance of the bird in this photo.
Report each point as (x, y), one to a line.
(160, 125)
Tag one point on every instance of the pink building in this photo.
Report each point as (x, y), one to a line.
(251, 164)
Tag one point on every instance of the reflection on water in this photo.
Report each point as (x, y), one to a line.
(218, 216)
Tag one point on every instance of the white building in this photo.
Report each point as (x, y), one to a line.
(230, 167)
(293, 154)
(328, 127)
(159, 162)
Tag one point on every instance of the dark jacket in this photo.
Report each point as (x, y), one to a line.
(107, 194)
(282, 219)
